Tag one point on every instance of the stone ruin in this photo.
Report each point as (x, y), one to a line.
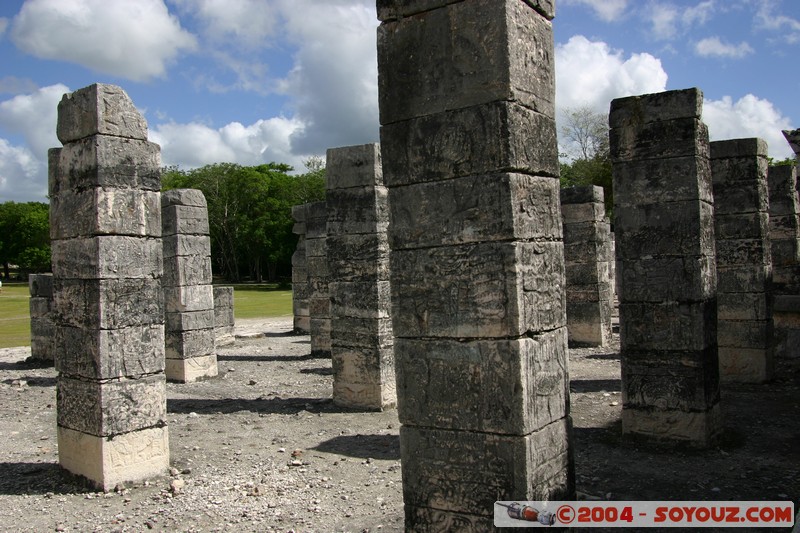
(362, 348)
(188, 294)
(744, 266)
(664, 229)
(468, 141)
(108, 304)
(300, 286)
(588, 257)
(223, 316)
(42, 326)
(319, 303)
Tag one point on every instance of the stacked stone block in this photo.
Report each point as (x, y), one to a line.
(744, 267)
(300, 287)
(42, 326)
(319, 303)
(468, 140)
(664, 227)
(589, 260)
(224, 321)
(108, 304)
(188, 294)
(362, 346)
(784, 233)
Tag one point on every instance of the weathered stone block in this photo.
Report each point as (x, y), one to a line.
(467, 472)
(316, 220)
(184, 219)
(319, 306)
(189, 320)
(357, 210)
(223, 296)
(462, 57)
(103, 161)
(754, 251)
(464, 142)
(475, 209)
(582, 195)
(189, 343)
(107, 257)
(737, 279)
(189, 298)
(361, 299)
(739, 148)
(743, 305)
(744, 333)
(668, 325)
(589, 213)
(660, 140)
(108, 303)
(188, 271)
(105, 211)
(354, 166)
(53, 171)
(392, 9)
(586, 273)
(111, 408)
(478, 290)
(699, 429)
(668, 279)
(742, 195)
(741, 225)
(186, 245)
(192, 369)
(107, 462)
(187, 197)
(677, 228)
(361, 332)
(746, 365)
(316, 252)
(41, 285)
(657, 181)
(99, 109)
(444, 383)
(362, 257)
(110, 353)
(634, 111)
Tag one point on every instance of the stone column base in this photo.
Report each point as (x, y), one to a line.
(696, 429)
(106, 462)
(745, 365)
(192, 369)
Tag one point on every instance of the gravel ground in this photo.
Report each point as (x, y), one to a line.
(263, 448)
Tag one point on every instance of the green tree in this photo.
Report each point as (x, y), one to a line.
(25, 236)
(583, 135)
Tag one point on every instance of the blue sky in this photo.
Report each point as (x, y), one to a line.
(253, 81)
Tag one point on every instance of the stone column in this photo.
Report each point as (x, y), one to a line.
(319, 302)
(664, 226)
(362, 346)
(224, 322)
(188, 294)
(300, 289)
(744, 266)
(784, 233)
(42, 327)
(468, 139)
(108, 305)
(588, 258)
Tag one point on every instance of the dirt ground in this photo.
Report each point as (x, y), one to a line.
(263, 448)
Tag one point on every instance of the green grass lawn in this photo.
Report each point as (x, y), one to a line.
(249, 301)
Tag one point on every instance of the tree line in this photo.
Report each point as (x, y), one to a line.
(24, 237)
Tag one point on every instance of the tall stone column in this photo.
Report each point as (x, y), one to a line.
(744, 265)
(319, 302)
(188, 293)
(664, 226)
(42, 327)
(224, 321)
(588, 258)
(300, 288)
(784, 233)
(362, 346)
(108, 305)
(468, 139)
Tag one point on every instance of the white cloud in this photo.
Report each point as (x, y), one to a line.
(664, 19)
(333, 85)
(668, 20)
(767, 19)
(698, 14)
(591, 74)
(133, 40)
(245, 22)
(23, 177)
(3, 25)
(607, 10)
(715, 47)
(34, 116)
(749, 116)
(15, 85)
(194, 144)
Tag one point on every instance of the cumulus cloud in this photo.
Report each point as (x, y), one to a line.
(333, 85)
(3, 25)
(716, 47)
(23, 177)
(195, 144)
(768, 19)
(592, 74)
(245, 22)
(749, 116)
(607, 10)
(668, 20)
(133, 40)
